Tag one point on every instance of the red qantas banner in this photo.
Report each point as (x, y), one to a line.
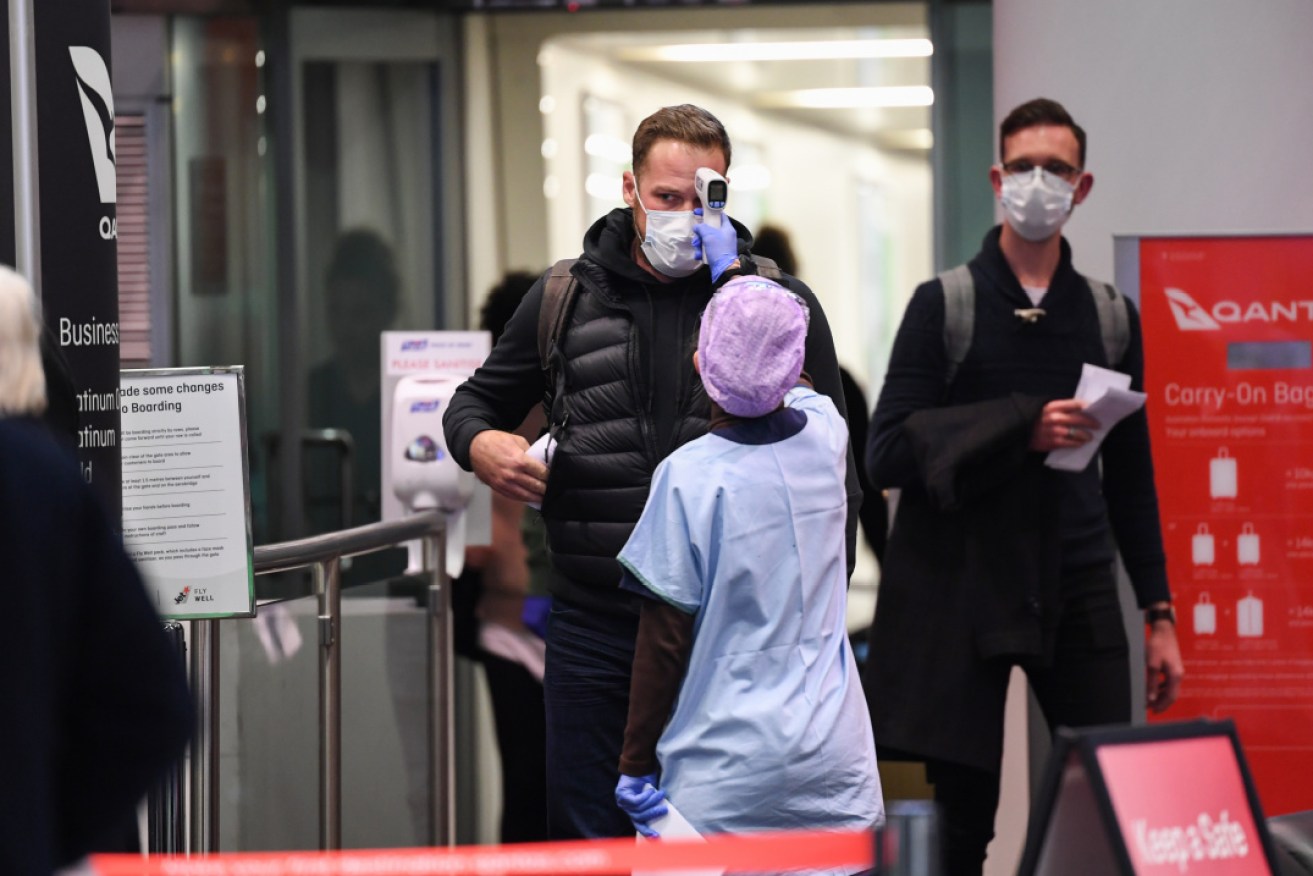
(1182, 807)
(1228, 336)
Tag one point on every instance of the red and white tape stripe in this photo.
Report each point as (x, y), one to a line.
(760, 853)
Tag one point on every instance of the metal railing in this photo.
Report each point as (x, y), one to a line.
(323, 554)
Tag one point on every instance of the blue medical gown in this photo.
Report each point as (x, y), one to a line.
(744, 529)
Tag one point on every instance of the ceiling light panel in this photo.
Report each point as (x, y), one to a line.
(802, 50)
(881, 97)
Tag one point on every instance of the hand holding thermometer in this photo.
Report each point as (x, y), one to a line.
(716, 243)
(712, 192)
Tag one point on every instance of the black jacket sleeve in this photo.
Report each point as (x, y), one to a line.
(967, 451)
(1128, 487)
(873, 513)
(500, 394)
(130, 713)
(914, 381)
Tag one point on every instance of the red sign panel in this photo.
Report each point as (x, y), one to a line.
(1182, 807)
(1228, 334)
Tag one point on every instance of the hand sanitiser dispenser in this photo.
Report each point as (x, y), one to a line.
(424, 476)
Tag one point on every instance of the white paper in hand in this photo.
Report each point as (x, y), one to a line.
(541, 450)
(1108, 398)
(674, 826)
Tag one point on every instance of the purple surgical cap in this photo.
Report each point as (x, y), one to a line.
(751, 345)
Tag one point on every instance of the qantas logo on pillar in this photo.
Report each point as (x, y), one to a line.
(1191, 316)
(97, 97)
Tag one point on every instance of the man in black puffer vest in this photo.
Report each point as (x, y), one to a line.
(620, 394)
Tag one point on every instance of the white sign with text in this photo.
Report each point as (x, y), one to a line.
(186, 496)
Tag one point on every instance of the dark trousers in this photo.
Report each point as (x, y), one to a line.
(590, 657)
(517, 707)
(1088, 683)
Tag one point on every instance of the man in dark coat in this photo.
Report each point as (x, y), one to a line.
(996, 560)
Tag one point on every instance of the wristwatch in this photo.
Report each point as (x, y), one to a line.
(1160, 612)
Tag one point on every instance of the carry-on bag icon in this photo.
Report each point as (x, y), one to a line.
(1246, 546)
(1201, 546)
(1249, 616)
(1222, 475)
(1205, 615)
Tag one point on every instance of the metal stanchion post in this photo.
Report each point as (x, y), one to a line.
(26, 192)
(441, 711)
(328, 584)
(205, 742)
(165, 811)
(908, 843)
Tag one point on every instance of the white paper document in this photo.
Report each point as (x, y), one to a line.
(674, 826)
(541, 450)
(1108, 398)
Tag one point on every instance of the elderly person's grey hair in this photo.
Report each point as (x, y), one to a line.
(22, 380)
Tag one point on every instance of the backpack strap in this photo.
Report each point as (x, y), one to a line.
(1114, 321)
(558, 296)
(959, 316)
(767, 268)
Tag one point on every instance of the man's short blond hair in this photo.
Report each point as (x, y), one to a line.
(22, 380)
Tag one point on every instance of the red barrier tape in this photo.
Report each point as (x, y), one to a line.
(774, 853)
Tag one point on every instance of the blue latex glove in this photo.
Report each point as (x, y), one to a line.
(534, 614)
(642, 801)
(721, 244)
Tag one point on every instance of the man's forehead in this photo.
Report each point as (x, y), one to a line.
(670, 157)
(1058, 140)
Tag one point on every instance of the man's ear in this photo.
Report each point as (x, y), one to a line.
(628, 185)
(1083, 186)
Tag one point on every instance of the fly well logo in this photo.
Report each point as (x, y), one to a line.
(97, 98)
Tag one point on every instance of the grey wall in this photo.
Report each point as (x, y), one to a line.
(1199, 112)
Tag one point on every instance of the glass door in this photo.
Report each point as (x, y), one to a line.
(364, 139)
(376, 187)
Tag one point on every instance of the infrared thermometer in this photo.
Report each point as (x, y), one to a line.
(712, 192)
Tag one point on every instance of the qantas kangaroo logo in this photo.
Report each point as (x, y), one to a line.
(98, 111)
(1190, 317)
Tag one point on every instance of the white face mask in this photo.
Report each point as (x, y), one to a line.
(668, 243)
(1036, 204)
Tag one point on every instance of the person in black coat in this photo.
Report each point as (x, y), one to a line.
(996, 560)
(96, 700)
